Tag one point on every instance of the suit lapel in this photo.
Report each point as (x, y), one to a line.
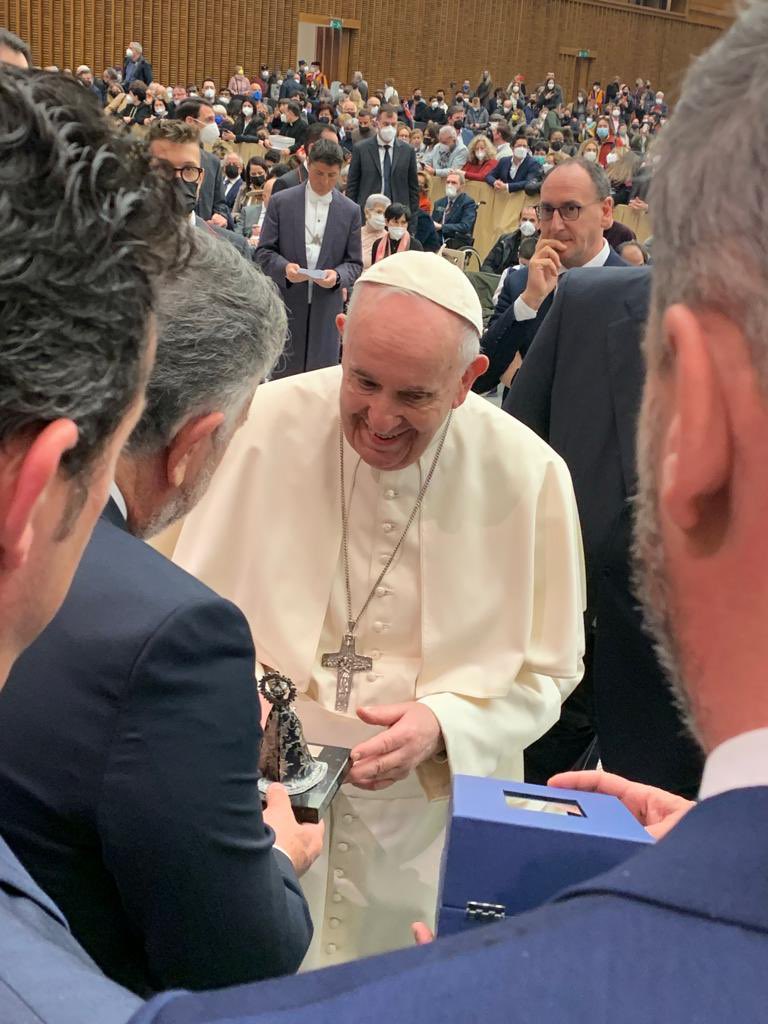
(298, 212)
(626, 370)
(374, 151)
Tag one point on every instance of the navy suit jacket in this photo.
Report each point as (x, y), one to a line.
(677, 933)
(460, 219)
(129, 747)
(579, 388)
(505, 336)
(527, 171)
(211, 198)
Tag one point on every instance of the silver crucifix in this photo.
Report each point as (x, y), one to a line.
(346, 661)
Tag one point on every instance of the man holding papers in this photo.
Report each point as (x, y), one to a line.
(310, 247)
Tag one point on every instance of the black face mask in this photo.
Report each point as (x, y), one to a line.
(364, 131)
(257, 180)
(324, 120)
(232, 171)
(557, 146)
(458, 123)
(187, 192)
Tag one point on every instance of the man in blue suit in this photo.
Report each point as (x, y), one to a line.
(152, 842)
(575, 208)
(455, 214)
(513, 173)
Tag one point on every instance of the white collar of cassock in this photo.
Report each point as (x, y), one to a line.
(313, 197)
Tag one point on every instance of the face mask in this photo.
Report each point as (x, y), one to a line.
(451, 191)
(247, 111)
(396, 233)
(557, 146)
(193, 92)
(187, 192)
(458, 123)
(434, 105)
(611, 158)
(417, 99)
(590, 121)
(324, 120)
(590, 155)
(547, 167)
(209, 93)
(169, 93)
(377, 222)
(550, 85)
(224, 100)
(515, 92)
(264, 76)
(232, 171)
(507, 108)
(540, 158)
(160, 111)
(209, 134)
(218, 118)
(480, 154)
(520, 152)
(659, 99)
(283, 119)
(129, 54)
(387, 134)
(616, 114)
(602, 132)
(527, 228)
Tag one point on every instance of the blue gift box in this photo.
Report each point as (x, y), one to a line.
(511, 847)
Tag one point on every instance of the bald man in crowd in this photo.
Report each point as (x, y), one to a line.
(354, 512)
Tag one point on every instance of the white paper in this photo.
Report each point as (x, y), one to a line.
(313, 275)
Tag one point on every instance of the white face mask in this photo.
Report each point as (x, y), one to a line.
(376, 221)
(129, 54)
(209, 93)
(209, 133)
(611, 158)
(160, 111)
(520, 152)
(396, 232)
(480, 154)
(224, 100)
(590, 155)
(451, 191)
(169, 93)
(550, 84)
(527, 228)
(387, 134)
(547, 167)
(247, 111)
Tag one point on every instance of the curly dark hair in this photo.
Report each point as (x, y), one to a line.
(87, 232)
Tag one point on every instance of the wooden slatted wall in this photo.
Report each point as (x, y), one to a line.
(418, 41)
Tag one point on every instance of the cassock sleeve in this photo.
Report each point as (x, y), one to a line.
(488, 737)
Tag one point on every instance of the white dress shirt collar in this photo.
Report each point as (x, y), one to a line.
(313, 197)
(602, 256)
(737, 763)
(117, 496)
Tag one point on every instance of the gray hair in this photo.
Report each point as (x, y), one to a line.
(469, 339)
(136, 47)
(447, 131)
(691, 197)
(375, 198)
(221, 327)
(458, 173)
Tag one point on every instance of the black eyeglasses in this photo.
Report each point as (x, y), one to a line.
(568, 211)
(189, 172)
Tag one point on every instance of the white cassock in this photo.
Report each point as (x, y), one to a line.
(479, 617)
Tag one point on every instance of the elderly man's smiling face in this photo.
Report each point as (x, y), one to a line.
(403, 372)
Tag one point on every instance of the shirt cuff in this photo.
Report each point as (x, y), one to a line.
(523, 311)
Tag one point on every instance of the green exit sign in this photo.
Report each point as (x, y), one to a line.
(336, 23)
(583, 54)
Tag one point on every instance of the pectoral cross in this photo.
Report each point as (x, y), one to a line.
(346, 661)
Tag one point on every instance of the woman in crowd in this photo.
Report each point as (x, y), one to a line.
(390, 94)
(425, 203)
(482, 159)
(397, 238)
(580, 105)
(375, 228)
(605, 138)
(589, 150)
(136, 110)
(430, 141)
(159, 108)
(117, 99)
(254, 178)
(247, 123)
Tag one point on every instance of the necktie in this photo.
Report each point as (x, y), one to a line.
(387, 176)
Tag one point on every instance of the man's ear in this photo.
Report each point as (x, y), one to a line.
(697, 450)
(23, 482)
(477, 367)
(185, 448)
(341, 323)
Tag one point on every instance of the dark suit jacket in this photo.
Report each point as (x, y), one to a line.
(296, 131)
(247, 132)
(580, 388)
(211, 198)
(505, 336)
(231, 195)
(142, 818)
(314, 338)
(295, 177)
(460, 219)
(142, 72)
(365, 175)
(527, 171)
(677, 933)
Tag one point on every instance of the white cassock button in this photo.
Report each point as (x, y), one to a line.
(337, 897)
(381, 591)
(384, 559)
(348, 819)
(331, 947)
(387, 527)
(338, 873)
(375, 655)
(391, 493)
(372, 677)
(342, 847)
(334, 922)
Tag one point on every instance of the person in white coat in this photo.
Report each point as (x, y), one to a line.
(381, 501)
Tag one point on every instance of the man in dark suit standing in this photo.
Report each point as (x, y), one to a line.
(580, 390)
(211, 204)
(575, 208)
(386, 165)
(294, 126)
(312, 227)
(152, 841)
(136, 67)
(514, 172)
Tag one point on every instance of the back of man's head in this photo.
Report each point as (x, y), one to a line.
(221, 327)
(13, 50)
(87, 234)
(190, 107)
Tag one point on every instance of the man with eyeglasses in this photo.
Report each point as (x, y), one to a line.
(575, 209)
(175, 145)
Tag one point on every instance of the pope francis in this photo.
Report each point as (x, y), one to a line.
(381, 510)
